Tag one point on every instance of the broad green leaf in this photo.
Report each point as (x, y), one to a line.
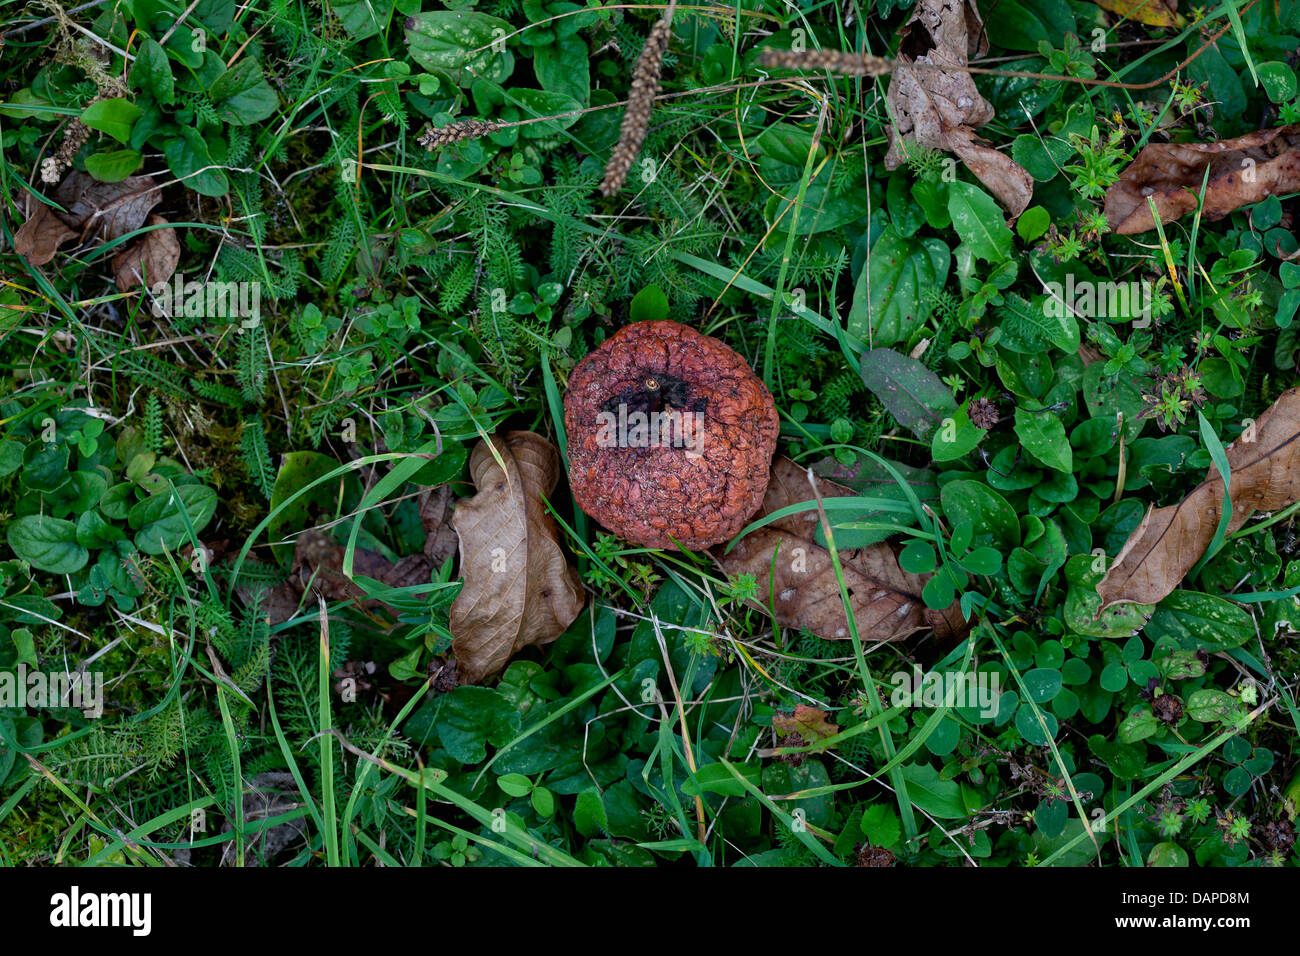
(1033, 223)
(880, 825)
(565, 67)
(1201, 622)
(890, 300)
(473, 717)
(362, 18)
(152, 72)
(1279, 80)
(912, 393)
(114, 117)
(113, 167)
(937, 797)
(535, 103)
(467, 44)
(49, 544)
(955, 437)
(188, 157)
(649, 304)
(979, 222)
(994, 520)
(715, 778)
(242, 96)
(1167, 853)
(1043, 436)
(159, 522)
(1045, 320)
(589, 813)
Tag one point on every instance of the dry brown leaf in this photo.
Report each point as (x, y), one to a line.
(107, 210)
(318, 563)
(811, 723)
(92, 208)
(152, 258)
(41, 234)
(1243, 171)
(1005, 178)
(519, 589)
(1154, 13)
(886, 600)
(941, 108)
(1265, 476)
(435, 517)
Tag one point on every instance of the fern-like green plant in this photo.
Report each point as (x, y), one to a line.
(257, 456)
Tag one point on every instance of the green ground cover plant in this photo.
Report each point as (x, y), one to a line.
(274, 275)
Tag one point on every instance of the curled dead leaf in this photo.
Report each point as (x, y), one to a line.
(1242, 171)
(106, 210)
(92, 208)
(152, 258)
(519, 589)
(41, 233)
(435, 517)
(812, 724)
(1264, 467)
(937, 105)
(795, 575)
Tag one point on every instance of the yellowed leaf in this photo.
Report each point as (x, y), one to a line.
(1154, 13)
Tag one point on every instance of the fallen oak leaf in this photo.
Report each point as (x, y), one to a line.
(90, 208)
(153, 257)
(939, 107)
(519, 589)
(1242, 171)
(794, 573)
(1264, 473)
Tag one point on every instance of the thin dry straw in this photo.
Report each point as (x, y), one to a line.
(640, 104)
